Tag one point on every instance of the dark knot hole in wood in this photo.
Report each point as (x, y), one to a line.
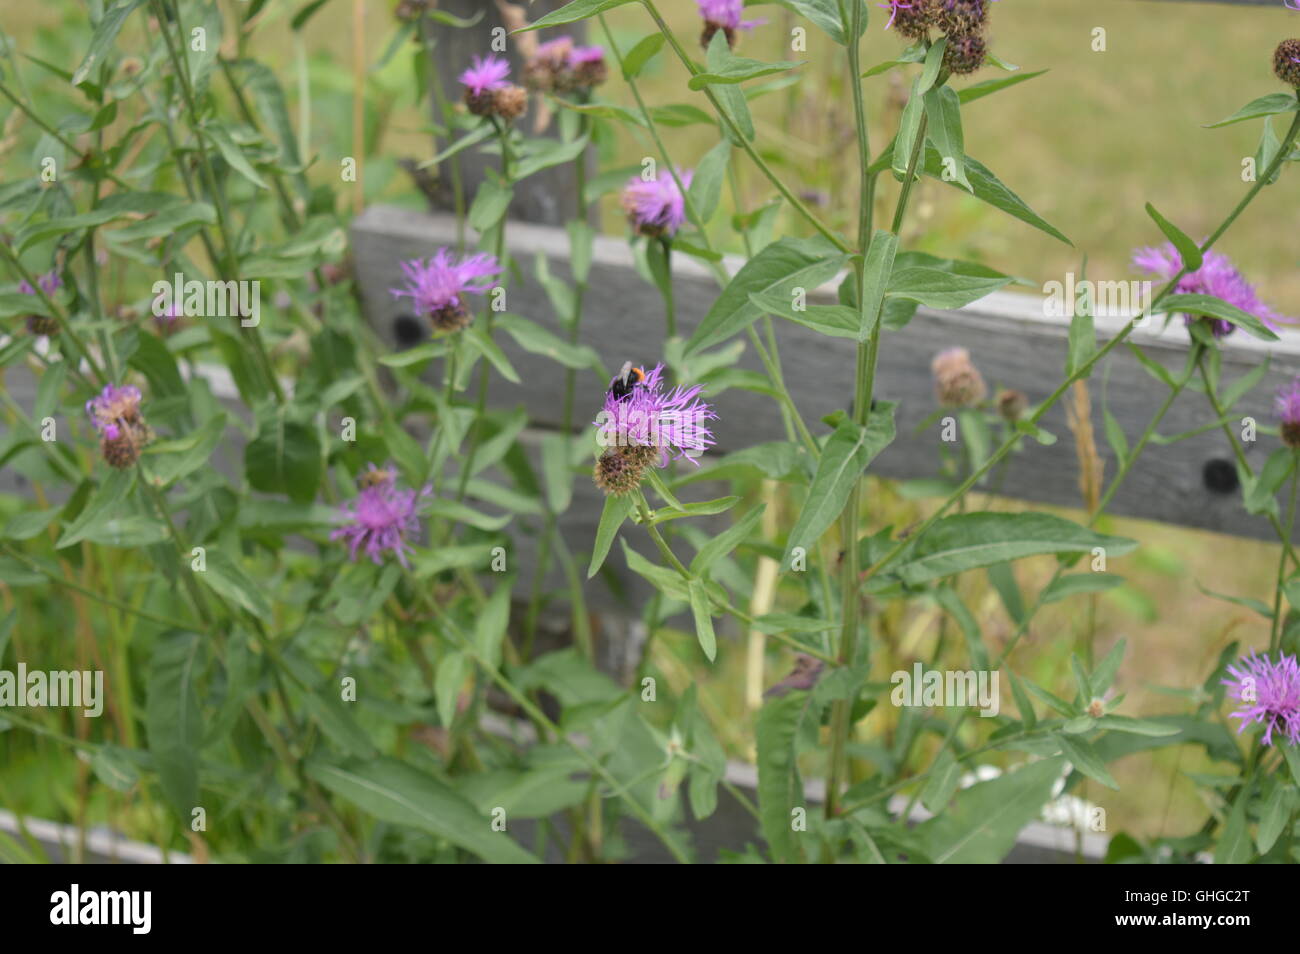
(1219, 476)
(407, 331)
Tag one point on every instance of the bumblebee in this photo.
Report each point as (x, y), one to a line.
(626, 380)
(372, 478)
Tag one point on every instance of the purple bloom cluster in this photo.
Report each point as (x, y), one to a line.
(649, 415)
(50, 282)
(486, 74)
(437, 287)
(114, 410)
(726, 14)
(1269, 693)
(656, 207)
(381, 518)
(1217, 277)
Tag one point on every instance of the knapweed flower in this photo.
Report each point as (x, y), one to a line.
(957, 382)
(1269, 693)
(49, 283)
(964, 53)
(961, 17)
(560, 66)
(724, 15)
(380, 518)
(1288, 410)
(1286, 62)
(912, 18)
(488, 92)
(655, 207)
(437, 288)
(644, 424)
(115, 414)
(1216, 277)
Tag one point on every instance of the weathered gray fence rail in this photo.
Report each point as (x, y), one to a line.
(1191, 482)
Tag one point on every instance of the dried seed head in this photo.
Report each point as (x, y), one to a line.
(620, 469)
(960, 17)
(1096, 708)
(914, 21)
(965, 54)
(481, 103)
(122, 450)
(1012, 404)
(1286, 62)
(42, 325)
(453, 317)
(957, 382)
(510, 102)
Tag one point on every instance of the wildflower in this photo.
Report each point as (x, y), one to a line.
(957, 382)
(1288, 409)
(655, 207)
(381, 518)
(437, 288)
(49, 283)
(657, 424)
(965, 53)
(912, 18)
(1216, 277)
(619, 470)
(962, 17)
(1012, 404)
(115, 414)
(589, 67)
(487, 89)
(1286, 61)
(723, 15)
(1269, 693)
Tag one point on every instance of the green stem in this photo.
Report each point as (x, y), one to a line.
(1275, 639)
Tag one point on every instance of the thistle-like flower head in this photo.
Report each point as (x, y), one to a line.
(675, 422)
(1269, 693)
(437, 287)
(381, 518)
(656, 207)
(1217, 277)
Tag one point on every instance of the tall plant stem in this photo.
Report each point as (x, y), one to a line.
(1275, 638)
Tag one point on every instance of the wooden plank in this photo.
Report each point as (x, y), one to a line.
(1007, 334)
(549, 196)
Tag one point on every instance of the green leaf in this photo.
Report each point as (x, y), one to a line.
(989, 87)
(1085, 758)
(100, 508)
(1234, 846)
(1217, 308)
(715, 548)
(285, 457)
(478, 338)
(490, 626)
(1276, 813)
(737, 69)
(401, 794)
(937, 288)
(981, 824)
(572, 13)
(943, 115)
(227, 579)
(778, 269)
(171, 461)
(102, 39)
(636, 58)
(779, 788)
(706, 188)
(846, 455)
(231, 152)
(967, 541)
(877, 272)
(172, 719)
(729, 99)
(1188, 250)
(490, 204)
(616, 510)
(703, 619)
(945, 773)
(988, 188)
(837, 321)
(1025, 707)
(909, 125)
(826, 15)
(1270, 105)
(1074, 584)
(446, 685)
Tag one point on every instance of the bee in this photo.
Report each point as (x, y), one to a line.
(627, 378)
(374, 477)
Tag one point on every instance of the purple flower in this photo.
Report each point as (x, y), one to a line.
(50, 282)
(437, 287)
(1269, 693)
(113, 409)
(1288, 410)
(583, 55)
(725, 14)
(380, 518)
(1217, 277)
(487, 74)
(656, 207)
(650, 416)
